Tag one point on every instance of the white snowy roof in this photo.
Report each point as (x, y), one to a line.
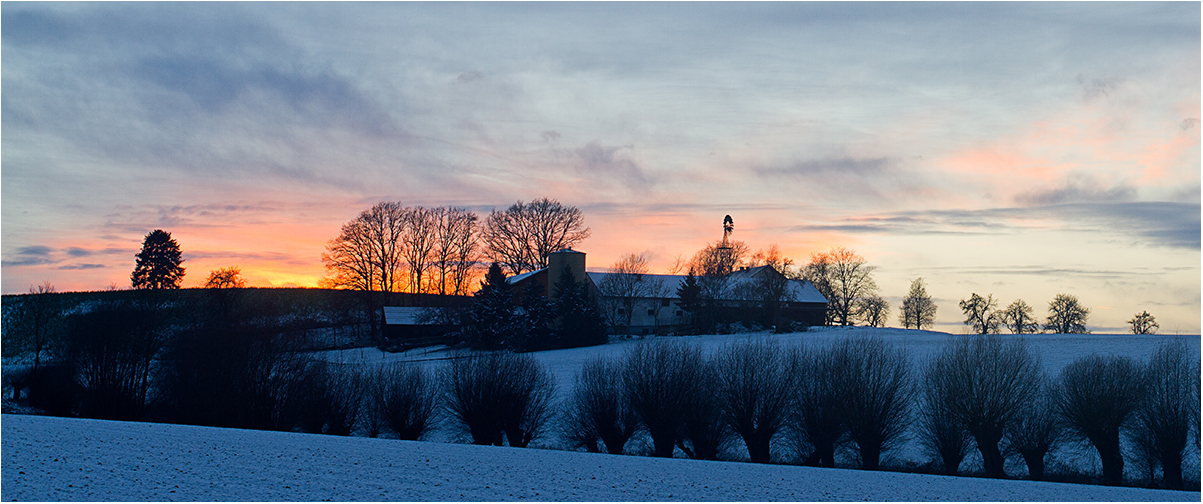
(797, 290)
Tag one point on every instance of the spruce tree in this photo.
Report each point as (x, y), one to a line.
(493, 320)
(690, 294)
(580, 322)
(158, 266)
(535, 321)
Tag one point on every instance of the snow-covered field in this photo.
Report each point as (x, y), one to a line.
(63, 459)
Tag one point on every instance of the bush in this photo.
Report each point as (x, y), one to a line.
(704, 434)
(1096, 397)
(815, 422)
(1036, 430)
(753, 391)
(984, 381)
(499, 397)
(1163, 420)
(873, 382)
(662, 379)
(599, 408)
(327, 399)
(405, 399)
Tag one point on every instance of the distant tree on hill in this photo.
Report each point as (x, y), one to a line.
(873, 310)
(918, 310)
(1066, 315)
(1018, 318)
(981, 314)
(225, 278)
(843, 277)
(1143, 323)
(158, 264)
(522, 236)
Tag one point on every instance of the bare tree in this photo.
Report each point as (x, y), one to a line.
(417, 244)
(328, 399)
(1097, 396)
(918, 310)
(33, 322)
(940, 433)
(1143, 323)
(985, 381)
(1066, 315)
(1037, 430)
(406, 399)
(753, 391)
(1163, 420)
(225, 278)
(873, 310)
(522, 236)
(705, 434)
(872, 380)
(981, 314)
(456, 249)
(623, 287)
(599, 408)
(662, 379)
(816, 422)
(846, 277)
(365, 256)
(499, 396)
(1018, 318)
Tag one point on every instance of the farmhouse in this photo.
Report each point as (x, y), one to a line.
(654, 307)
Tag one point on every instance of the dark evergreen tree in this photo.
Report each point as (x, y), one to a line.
(690, 294)
(158, 265)
(493, 320)
(534, 321)
(580, 322)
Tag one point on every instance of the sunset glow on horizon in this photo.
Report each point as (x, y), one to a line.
(1020, 150)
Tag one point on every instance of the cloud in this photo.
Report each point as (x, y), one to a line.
(1167, 224)
(85, 266)
(1096, 88)
(609, 163)
(1078, 188)
(841, 166)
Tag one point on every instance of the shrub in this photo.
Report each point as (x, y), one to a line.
(872, 381)
(599, 408)
(816, 426)
(984, 381)
(662, 379)
(405, 399)
(499, 397)
(753, 391)
(1097, 395)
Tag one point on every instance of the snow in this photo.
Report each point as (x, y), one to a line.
(64, 459)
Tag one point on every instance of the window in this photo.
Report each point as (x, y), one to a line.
(680, 313)
(621, 310)
(664, 302)
(651, 312)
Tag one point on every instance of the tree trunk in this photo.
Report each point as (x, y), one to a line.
(870, 456)
(1171, 468)
(1035, 461)
(992, 459)
(1112, 460)
(758, 447)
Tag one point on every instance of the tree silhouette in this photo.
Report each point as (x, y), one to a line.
(918, 310)
(1018, 318)
(522, 236)
(981, 313)
(1066, 315)
(1144, 323)
(158, 266)
(225, 278)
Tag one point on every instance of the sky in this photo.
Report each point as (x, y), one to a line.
(1015, 149)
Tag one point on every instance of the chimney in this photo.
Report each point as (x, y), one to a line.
(555, 268)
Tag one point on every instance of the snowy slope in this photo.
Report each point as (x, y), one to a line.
(62, 459)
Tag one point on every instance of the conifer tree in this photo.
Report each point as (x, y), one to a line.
(535, 321)
(158, 265)
(493, 320)
(580, 322)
